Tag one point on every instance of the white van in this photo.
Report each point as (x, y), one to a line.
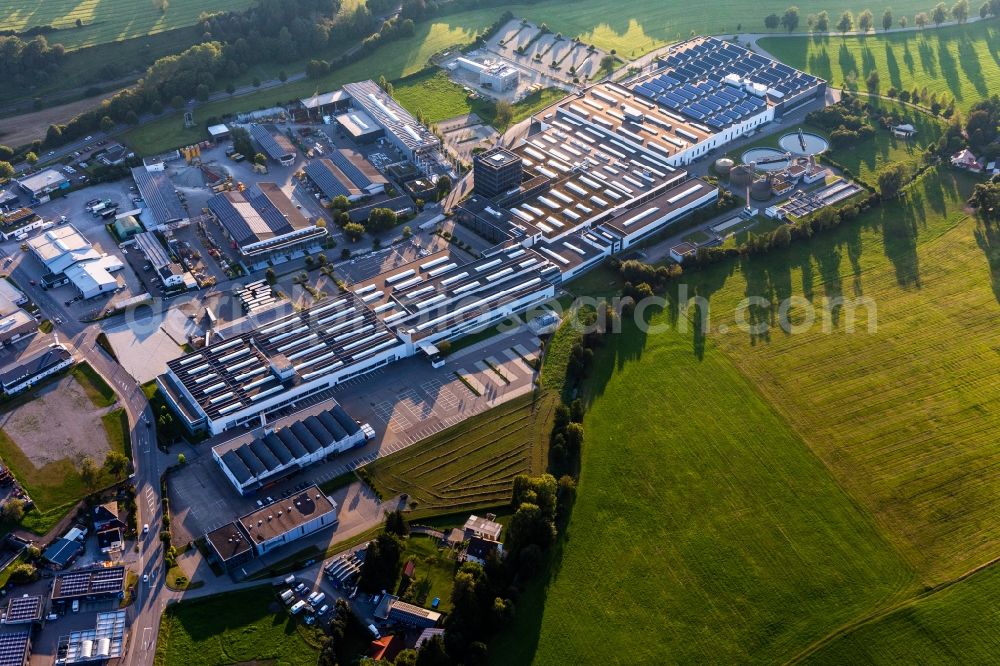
(373, 630)
(76, 605)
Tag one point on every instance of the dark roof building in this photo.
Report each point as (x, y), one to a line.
(413, 616)
(496, 171)
(24, 609)
(345, 173)
(274, 144)
(479, 549)
(263, 222)
(159, 196)
(15, 648)
(25, 372)
(289, 519)
(264, 459)
(230, 545)
(99, 582)
(62, 552)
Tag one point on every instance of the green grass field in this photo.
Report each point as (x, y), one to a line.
(245, 626)
(953, 625)
(437, 97)
(98, 390)
(747, 493)
(960, 62)
(703, 524)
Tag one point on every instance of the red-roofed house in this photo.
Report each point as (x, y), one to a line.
(386, 648)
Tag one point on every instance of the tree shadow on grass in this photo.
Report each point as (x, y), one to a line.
(949, 69)
(892, 67)
(867, 60)
(968, 58)
(848, 63)
(818, 63)
(908, 58)
(927, 60)
(987, 235)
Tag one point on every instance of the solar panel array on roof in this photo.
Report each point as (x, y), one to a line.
(274, 144)
(692, 82)
(26, 608)
(14, 647)
(159, 195)
(108, 580)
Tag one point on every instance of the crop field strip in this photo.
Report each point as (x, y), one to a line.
(470, 464)
(959, 62)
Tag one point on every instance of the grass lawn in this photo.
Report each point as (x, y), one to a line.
(472, 464)
(959, 62)
(240, 626)
(434, 564)
(946, 626)
(98, 390)
(702, 523)
(117, 430)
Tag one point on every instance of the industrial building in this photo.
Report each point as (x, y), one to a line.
(15, 323)
(107, 640)
(40, 185)
(274, 144)
(15, 647)
(249, 465)
(271, 526)
(496, 171)
(497, 76)
(265, 225)
(161, 205)
(345, 173)
(67, 255)
(95, 583)
(326, 104)
(436, 298)
(23, 609)
(402, 130)
(26, 372)
(243, 379)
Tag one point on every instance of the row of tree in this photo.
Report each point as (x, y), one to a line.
(865, 21)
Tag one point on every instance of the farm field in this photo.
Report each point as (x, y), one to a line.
(953, 624)
(919, 452)
(703, 523)
(243, 626)
(103, 22)
(472, 464)
(959, 62)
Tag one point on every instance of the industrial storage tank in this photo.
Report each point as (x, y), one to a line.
(761, 189)
(739, 176)
(723, 165)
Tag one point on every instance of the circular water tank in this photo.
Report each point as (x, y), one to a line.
(739, 176)
(723, 165)
(761, 189)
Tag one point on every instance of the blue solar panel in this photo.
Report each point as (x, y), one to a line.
(643, 90)
(683, 74)
(674, 97)
(754, 102)
(728, 96)
(668, 81)
(731, 115)
(709, 104)
(712, 122)
(656, 87)
(687, 95)
(669, 103)
(716, 98)
(694, 113)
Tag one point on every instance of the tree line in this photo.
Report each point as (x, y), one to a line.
(26, 62)
(865, 21)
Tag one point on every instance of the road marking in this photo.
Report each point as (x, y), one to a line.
(147, 635)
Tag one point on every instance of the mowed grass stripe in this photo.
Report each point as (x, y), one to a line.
(906, 417)
(703, 523)
(960, 62)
